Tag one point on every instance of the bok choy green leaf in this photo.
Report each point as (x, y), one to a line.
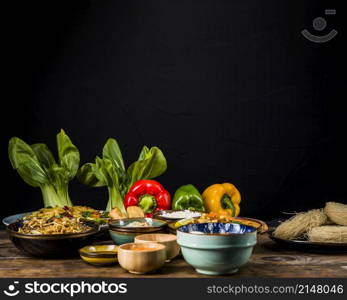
(38, 168)
(150, 164)
(110, 171)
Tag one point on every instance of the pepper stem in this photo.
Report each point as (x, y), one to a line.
(227, 203)
(148, 203)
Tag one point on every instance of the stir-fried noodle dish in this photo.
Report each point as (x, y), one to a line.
(58, 220)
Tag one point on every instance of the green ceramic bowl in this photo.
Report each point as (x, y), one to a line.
(121, 233)
(216, 248)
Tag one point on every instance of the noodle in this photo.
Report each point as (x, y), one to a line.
(58, 220)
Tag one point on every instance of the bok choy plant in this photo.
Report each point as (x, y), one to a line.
(109, 170)
(38, 168)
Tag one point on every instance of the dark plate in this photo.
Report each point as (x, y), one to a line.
(52, 246)
(10, 219)
(121, 225)
(312, 247)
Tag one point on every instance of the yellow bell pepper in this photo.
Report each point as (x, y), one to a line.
(223, 199)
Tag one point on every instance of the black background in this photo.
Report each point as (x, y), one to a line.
(229, 90)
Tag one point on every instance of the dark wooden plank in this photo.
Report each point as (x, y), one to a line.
(174, 269)
(268, 260)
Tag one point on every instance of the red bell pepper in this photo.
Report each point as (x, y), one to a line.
(150, 195)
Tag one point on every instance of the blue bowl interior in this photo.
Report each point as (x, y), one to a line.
(216, 228)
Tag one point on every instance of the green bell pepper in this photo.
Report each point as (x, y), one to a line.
(188, 197)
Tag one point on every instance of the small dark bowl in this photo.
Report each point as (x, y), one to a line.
(51, 245)
(308, 246)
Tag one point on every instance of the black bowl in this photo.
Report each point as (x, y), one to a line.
(311, 247)
(52, 245)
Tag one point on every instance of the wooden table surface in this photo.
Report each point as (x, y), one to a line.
(268, 260)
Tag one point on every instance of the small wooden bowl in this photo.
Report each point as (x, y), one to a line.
(168, 240)
(99, 255)
(137, 261)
